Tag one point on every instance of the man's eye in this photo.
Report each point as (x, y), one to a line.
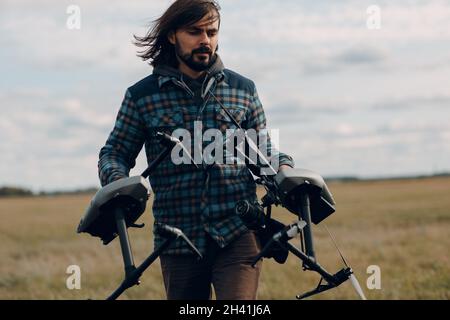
(194, 32)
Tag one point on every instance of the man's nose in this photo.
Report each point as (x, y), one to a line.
(205, 39)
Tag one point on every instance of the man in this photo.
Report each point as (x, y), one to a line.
(190, 87)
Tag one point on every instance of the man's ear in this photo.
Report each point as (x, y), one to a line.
(171, 37)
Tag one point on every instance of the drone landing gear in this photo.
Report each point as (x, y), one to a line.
(303, 227)
(132, 274)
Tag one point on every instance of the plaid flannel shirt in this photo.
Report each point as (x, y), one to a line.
(197, 200)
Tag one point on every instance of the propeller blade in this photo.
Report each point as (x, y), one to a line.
(357, 287)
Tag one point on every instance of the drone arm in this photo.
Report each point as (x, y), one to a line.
(192, 246)
(263, 252)
(278, 239)
(310, 263)
(168, 142)
(166, 230)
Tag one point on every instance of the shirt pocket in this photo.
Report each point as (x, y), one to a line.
(164, 121)
(232, 136)
(189, 115)
(224, 121)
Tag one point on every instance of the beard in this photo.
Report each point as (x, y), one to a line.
(188, 58)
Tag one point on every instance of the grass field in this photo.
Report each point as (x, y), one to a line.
(402, 226)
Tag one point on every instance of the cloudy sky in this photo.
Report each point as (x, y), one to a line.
(347, 99)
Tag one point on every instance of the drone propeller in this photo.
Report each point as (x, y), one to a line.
(357, 287)
(351, 276)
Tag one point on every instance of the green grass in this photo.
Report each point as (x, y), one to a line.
(401, 226)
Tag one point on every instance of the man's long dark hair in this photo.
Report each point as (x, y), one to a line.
(181, 14)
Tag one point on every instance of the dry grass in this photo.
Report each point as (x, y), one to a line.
(401, 226)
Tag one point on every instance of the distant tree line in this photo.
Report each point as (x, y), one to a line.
(14, 191)
(8, 191)
(60, 193)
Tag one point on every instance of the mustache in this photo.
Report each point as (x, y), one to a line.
(202, 50)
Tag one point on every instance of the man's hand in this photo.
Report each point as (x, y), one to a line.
(284, 166)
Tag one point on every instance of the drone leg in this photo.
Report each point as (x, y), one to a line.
(307, 232)
(132, 278)
(124, 241)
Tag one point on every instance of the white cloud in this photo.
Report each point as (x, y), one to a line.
(41, 39)
(346, 99)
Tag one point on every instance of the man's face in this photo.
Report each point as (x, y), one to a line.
(196, 45)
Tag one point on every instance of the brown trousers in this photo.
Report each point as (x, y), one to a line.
(228, 270)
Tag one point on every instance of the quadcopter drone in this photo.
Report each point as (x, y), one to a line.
(117, 206)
